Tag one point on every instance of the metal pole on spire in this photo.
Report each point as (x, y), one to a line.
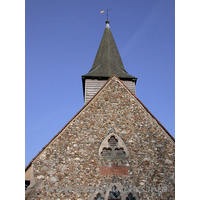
(106, 12)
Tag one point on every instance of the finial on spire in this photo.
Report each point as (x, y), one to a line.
(107, 22)
(107, 12)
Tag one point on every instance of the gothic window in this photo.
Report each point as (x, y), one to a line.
(114, 194)
(113, 147)
(130, 197)
(98, 197)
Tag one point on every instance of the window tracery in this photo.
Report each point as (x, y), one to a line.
(114, 193)
(130, 197)
(113, 147)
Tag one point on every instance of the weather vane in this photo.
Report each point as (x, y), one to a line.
(106, 11)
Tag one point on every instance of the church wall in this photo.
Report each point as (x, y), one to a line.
(71, 166)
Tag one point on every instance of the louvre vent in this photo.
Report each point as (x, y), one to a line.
(106, 152)
(112, 141)
(120, 152)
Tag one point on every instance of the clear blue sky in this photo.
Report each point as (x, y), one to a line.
(61, 41)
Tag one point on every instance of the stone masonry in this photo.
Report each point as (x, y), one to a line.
(139, 161)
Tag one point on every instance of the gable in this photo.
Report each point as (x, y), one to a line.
(114, 120)
(111, 100)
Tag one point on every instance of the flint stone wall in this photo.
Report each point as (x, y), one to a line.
(70, 166)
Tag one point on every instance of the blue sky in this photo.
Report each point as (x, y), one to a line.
(61, 41)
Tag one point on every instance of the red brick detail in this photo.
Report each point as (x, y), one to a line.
(116, 170)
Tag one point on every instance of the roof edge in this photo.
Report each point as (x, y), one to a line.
(148, 111)
(30, 163)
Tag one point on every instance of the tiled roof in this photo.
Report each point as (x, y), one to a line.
(108, 60)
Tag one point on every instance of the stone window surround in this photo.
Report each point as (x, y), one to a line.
(120, 144)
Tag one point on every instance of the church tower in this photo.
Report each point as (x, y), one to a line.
(112, 149)
(106, 63)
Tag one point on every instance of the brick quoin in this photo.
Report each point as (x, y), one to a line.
(114, 170)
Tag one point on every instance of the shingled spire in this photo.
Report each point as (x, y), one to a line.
(106, 63)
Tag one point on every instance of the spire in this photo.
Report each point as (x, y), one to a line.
(108, 60)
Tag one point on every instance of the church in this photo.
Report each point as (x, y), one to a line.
(113, 148)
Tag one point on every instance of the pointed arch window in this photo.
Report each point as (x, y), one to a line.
(130, 197)
(114, 194)
(99, 197)
(115, 191)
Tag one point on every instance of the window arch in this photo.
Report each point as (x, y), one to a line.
(130, 197)
(114, 194)
(98, 197)
(113, 147)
